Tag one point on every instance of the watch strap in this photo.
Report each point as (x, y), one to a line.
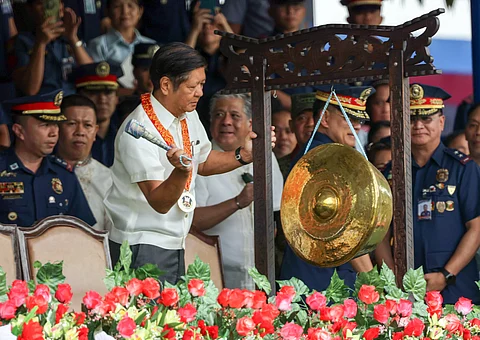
(238, 156)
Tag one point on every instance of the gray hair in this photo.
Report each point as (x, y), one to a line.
(247, 102)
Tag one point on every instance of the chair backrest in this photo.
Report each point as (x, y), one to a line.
(9, 253)
(83, 250)
(207, 248)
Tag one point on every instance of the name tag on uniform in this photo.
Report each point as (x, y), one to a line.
(424, 209)
(11, 190)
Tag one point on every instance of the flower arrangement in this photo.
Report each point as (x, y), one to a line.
(138, 307)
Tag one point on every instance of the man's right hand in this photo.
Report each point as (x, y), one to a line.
(49, 31)
(245, 198)
(174, 155)
(201, 16)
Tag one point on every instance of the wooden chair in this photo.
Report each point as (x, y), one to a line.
(9, 253)
(83, 250)
(207, 248)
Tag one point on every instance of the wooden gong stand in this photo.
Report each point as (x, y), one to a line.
(332, 54)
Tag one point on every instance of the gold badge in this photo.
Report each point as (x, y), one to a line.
(440, 185)
(441, 206)
(99, 4)
(416, 92)
(450, 206)
(12, 216)
(57, 185)
(58, 99)
(103, 69)
(442, 175)
(152, 50)
(365, 94)
(451, 189)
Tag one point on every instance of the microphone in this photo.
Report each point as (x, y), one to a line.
(136, 129)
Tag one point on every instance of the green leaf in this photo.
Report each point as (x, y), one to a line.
(388, 277)
(51, 274)
(37, 264)
(3, 285)
(478, 284)
(300, 287)
(260, 280)
(395, 293)
(109, 279)
(148, 270)
(371, 278)
(337, 291)
(198, 270)
(414, 283)
(125, 256)
(420, 309)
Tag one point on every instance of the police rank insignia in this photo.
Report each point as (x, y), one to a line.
(58, 99)
(442, 175)
(12, 216)
(450, 206)
(441, 206)
(440, 185)
(103, 69)
(57, 185)
(451, 189)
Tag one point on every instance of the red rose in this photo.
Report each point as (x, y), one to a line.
(247, 298)
(453, 323)
(126, 327)
(463, 306)
(44, 291)
(475, 322)
(414, 327)
(349, 326)
(291, 331)
(434, 302)
(64, 293)
(187, 313)
(325, 314)
(288, 290)
(92, 299)
(121, 294)
(83, 333)
(38, 301)
(380, 313)
(404, 308)
(80, 318)
(212, 332)
(244, 326)
(169, 297)
(371, 333)
(270, 310)
(236, 299)
(61, 310)
(259, 299)
(223, 297)
(188, 335)
(283, 301)
(368, 294)
(391, 306)
(134, 287)
(467, 335)
(18, 293)
(7, 310)
(397, 336)
(151, 288)
(318, 334)
(168, 333)
(336, 313)
(316, 301)
(32, 330)
(350, 308)
(196, 287)
(264, 322)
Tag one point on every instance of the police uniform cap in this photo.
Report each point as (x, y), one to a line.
(426, 100)
(45, 107)
(143, 54)
(97, 76)
(302, 102)
(352, 98)
(356, 3)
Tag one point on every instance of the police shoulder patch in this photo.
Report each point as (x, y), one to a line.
(56, 160)
(459, 156)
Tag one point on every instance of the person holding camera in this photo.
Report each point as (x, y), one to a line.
(51, 50)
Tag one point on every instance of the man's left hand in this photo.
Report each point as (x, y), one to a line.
(435, 281)
(247, 150)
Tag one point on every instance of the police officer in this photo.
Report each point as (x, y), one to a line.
(364, 12)
(333, 129)
(98, 82)
(141, 61)
(34, 185)
(447, 182)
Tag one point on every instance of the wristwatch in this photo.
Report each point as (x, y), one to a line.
(449, 277)
(238, 156)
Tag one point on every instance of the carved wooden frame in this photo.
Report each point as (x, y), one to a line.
(11, 230)
(25, 233)
(332, 54)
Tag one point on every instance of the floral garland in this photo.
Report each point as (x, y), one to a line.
(138, 307)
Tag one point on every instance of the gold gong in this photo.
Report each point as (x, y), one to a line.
(335, 206)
